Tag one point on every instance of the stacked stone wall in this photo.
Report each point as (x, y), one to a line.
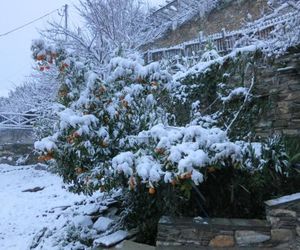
(276, 92)
(279, 231)
(16, 147)
(279, 84)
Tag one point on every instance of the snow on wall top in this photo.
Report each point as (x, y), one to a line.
(285, 199)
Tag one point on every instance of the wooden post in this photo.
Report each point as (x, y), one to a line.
(201, 40)
(148, 57)
(66, 19)
(185, 50)
(223, 32)
(163, 54)
(224, 44)
(200, 37)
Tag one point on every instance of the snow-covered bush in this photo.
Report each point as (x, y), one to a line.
(113, 129)
(95, 117)
(176, 153)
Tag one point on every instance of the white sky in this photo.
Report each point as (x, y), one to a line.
(15, 56)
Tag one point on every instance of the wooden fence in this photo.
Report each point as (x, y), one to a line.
(17, 120)
(173, 8)
(224, 42)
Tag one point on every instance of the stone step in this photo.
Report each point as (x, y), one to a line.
(129, 245)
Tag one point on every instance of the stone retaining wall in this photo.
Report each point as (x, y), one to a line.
(17, 154)
(16, 147)
(283, 215)
(279, 84)
(276, 91)
(12, 136)
(279, 231)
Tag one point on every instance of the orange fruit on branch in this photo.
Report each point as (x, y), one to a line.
(152, 190)
(173, 182)
(104, 144)
(125, 104)
(185, 176)
(53, 55)
(132, 183)
(211, 169)
(154, 84)
(102, 90)
(75, 135)
(79, 170)
(41, 158)
(40, 57)
(160, 151)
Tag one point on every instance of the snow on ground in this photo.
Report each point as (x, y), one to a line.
(23, 214)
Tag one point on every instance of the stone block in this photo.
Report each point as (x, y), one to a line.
(294, 124)
(283, 222)
(189, 234)
(295, 87)
(265, 124)
(224, 232)
(167, 244)
(295, 115)
(281, 123)
(283, 107)
(282, 213)
(289, 97)
(131, 245)
(248, 238)
(298, 231)
(222, 241)
(295, 107)
(286, 116)
(17, 136)
(288, 223)
(273, 220)
(290, 131)
(205, 237)
(282, 235)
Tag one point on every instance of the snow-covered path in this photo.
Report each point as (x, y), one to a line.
(22, 214)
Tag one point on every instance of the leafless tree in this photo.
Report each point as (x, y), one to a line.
(37, 93)
(119, 22)
(112, 27)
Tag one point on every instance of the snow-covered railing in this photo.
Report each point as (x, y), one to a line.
(164, 12)
(224, 42)
(178, 9)
(17, 120)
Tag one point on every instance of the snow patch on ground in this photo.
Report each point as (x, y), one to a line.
(24, 214)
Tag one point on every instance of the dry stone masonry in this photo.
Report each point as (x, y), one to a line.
(279, 82)
(283, 215)
(279, 231)
(16, 146)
